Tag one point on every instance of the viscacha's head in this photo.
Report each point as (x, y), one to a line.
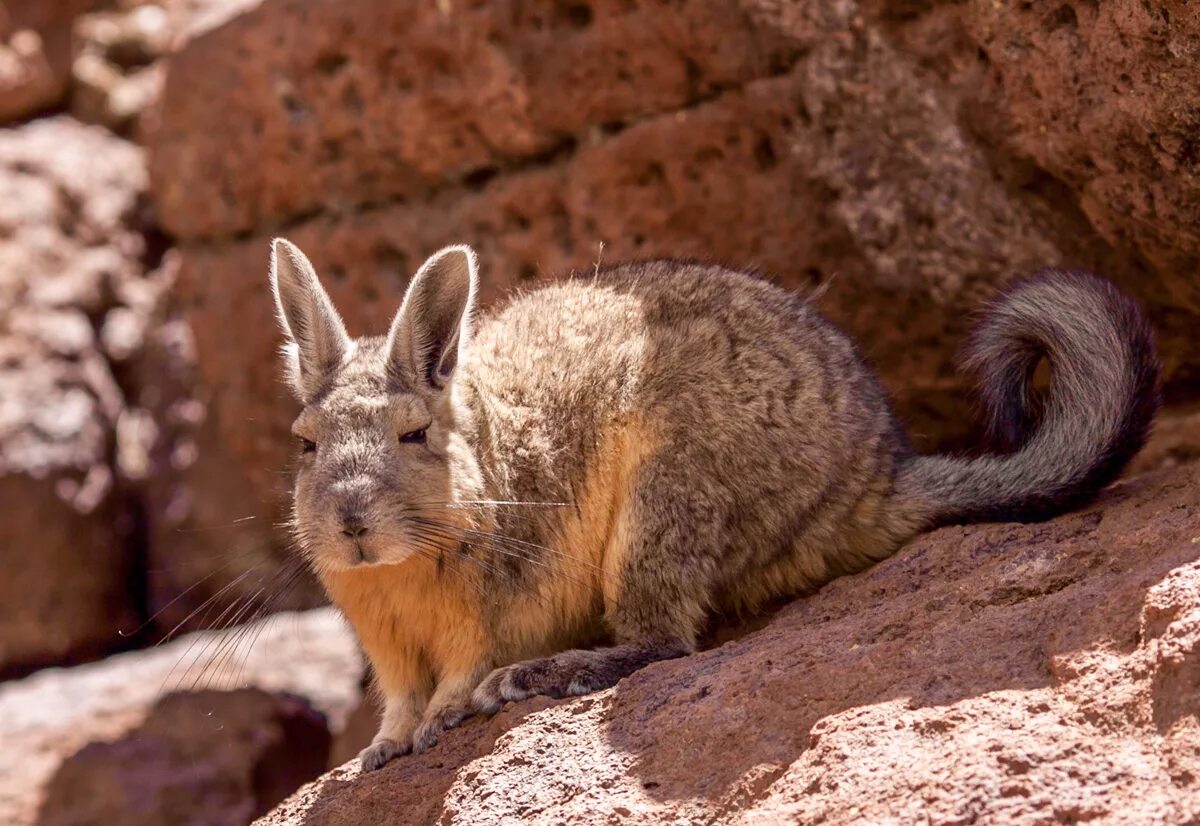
(374, 434)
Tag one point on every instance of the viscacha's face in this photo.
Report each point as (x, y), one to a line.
(372, 478)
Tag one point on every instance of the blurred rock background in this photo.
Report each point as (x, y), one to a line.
(900, 161)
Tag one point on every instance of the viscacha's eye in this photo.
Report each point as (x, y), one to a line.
(307, 446)
(413, 437)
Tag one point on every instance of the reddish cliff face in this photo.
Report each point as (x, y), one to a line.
(998, 674)
(904, 162)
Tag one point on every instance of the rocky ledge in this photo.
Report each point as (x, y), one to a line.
(212, 728)
(998, 673)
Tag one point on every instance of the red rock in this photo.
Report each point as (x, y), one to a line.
(110, 742)
(178, 767)
(100, 420)
(35, 53)
(361, 101)
(27, 80)
(70, 252)
(116, 74)
(995, 673)
(856, 152)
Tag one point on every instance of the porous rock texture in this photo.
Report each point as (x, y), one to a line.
(72, 289)
(899, 161)
(209, 729)
(99, 58)
(35, 53)
(99, 420)
(117, 73)
(1000, 673)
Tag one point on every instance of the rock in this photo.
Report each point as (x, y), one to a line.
(27, 81)
(70, 253)
(1118, 127)
(1095, 107)
(1176, 440)
(839, 147)
(176, 767)
(35, 53)
(100, 419)
(328, 104)
(117, 73)
(129, 740)
(995, 673)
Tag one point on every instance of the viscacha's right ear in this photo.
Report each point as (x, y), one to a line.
(317, 340)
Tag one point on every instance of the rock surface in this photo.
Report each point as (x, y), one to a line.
(99, 58)
(100, 423)
(35, 53)
(997, 673)
(71, 265)
(117, 74)
(177, 767)
(27, 81)
(902, 162)
(109, 743)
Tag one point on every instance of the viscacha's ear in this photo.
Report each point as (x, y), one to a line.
(431, 332)
(317, 340)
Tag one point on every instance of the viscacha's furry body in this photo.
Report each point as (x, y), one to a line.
(612, 459)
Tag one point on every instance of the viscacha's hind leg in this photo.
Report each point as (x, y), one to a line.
(659, 564)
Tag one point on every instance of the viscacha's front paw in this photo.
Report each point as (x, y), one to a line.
(552, 676)
(434, 724)
(377, 755)
(494, 691)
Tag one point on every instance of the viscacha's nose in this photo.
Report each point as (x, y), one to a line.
(353, 527)
(352, 508)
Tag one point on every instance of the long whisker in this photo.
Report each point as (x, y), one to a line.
(493, 542)
(248, 604)
(208, 602)
(233, 614)
(512, 544)
(282, 593)
(255, 624)
(497, 543)
(206, 528)
(206, 640)
(432, 551)
(233, 558)
(459, 503)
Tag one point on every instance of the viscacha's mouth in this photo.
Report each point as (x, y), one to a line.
(361, 554)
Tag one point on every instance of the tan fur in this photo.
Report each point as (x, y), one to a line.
(597, 529)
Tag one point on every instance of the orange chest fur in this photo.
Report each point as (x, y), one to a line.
(414, 624)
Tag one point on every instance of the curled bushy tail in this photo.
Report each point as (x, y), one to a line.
(1104, 392)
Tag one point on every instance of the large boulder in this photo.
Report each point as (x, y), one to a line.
(886, 160)
(212, 728)
(995, 673)
(177, 767)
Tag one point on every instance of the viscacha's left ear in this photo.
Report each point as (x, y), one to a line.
(316, 338)
(432, 330)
